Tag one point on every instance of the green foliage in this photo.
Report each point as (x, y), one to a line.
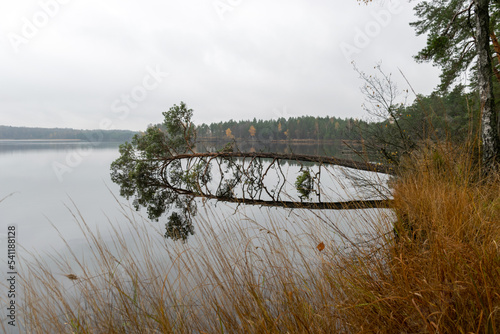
(137, 173)
(304, 184)
(449, 26)
(181, 131)
(140, 171)
(179, 227)
(450, 43)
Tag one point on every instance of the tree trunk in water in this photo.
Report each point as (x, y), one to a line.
(489, 123)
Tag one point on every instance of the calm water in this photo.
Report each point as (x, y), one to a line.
(41, 180)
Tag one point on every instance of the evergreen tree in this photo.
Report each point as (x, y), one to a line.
(461, 34)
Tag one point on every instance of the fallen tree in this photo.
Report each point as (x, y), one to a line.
(160, 169)
(359, 165)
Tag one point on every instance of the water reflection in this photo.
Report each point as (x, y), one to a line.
(26, 169)
(331, 148)
(170, 184)
(23, 146)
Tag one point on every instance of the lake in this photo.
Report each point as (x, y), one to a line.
(42, 178)
(45, 183)
(45, 178)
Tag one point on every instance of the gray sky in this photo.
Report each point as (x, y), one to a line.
(119, 64)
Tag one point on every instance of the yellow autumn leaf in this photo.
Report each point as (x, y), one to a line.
(321, 246)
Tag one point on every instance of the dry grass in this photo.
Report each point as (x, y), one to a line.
(238, 277)
(439, 272)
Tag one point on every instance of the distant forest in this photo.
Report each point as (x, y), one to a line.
(451, 115)
(19, 133)
(294, 128)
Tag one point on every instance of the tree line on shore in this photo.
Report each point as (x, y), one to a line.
(450, 115)
(26, 133)
(447, 115)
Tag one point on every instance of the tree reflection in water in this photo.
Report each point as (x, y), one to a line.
(161, 171)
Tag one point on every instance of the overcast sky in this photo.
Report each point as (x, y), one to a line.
(119, 64)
